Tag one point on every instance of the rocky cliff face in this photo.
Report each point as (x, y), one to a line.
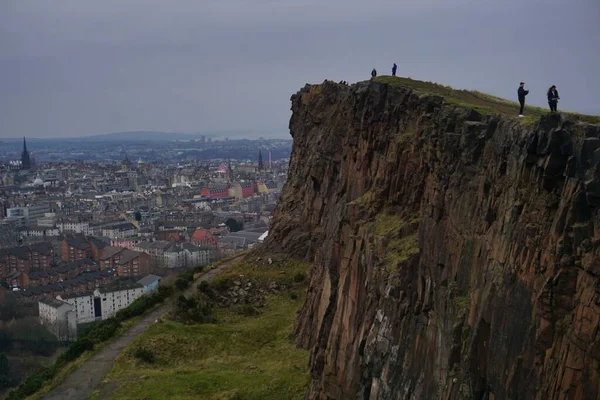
(455, 256)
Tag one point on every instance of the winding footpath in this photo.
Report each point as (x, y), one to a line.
(84, 380)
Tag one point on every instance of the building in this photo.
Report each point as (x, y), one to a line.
(73, 226)
(216, 191)
(59, 318)
(195, 256)
(155, 250)
(16, 279)
(174, 257)
(48, 221)
(120, 231)
(25, 158)
(262, 237)
(133, 263)
(203, 237)
(38, 256)
(150, 282)
(75, 247)
(242, 190)
(126, 262)
(267, 187)
(118, 295)
(109, 256)
(30, 213)
(82, 303)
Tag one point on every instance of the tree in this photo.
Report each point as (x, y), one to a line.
(9, 308)
(5, 380)
(234, 225)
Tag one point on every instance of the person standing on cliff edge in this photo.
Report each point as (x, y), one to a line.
(394, 67)
(553, 98)
(373, 73)
(521, 92)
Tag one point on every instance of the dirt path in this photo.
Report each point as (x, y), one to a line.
(81, 383)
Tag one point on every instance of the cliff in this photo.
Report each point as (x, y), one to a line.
(456, 255)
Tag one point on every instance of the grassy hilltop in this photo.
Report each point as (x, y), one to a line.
(481, 102)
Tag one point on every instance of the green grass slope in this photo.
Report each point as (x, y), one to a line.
(238, 358)
(481, 102)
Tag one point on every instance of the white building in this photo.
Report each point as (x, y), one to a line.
(83, 304)
(120, 231)
(36, 211)
(156, 250)
(174, 257)
(41, 231)
(262, 237)
(195, 256)
(59, 318)
(118, 296)
(48, 220)
(73, 226)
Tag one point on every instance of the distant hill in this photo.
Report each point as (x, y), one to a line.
(158, 136)
(153, 136)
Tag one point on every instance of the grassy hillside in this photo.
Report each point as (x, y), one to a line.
(483, 103)
(241, 356)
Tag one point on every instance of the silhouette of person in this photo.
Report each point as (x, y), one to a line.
(394, 67)
(553, 98)
(521, 92)
(373, 73)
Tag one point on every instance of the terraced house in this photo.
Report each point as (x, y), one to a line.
(38, 256)
(126, 262)
(75, 247)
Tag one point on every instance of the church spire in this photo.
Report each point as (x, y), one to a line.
(260, 161)
(25, 159)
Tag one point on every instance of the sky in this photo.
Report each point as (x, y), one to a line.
(81, 67)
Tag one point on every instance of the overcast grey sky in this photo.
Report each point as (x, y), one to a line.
(81, 67)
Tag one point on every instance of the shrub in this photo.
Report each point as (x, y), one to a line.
(5, 381)
(247, 310)
(181, 284)
(79, 347)
(144, 355)
(33, 383)
(205, 288)
(103, 330)
(197, 309)
(299, 277)
(165, 291)
(293, 296)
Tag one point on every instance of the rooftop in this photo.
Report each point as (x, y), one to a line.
(128, 255)
(75, 295)
(54, 303)
(149, 279)
(121, 284)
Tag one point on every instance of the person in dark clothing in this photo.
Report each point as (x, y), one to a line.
(553, 98)
(521, 92)
(373, 73)
(394, 67)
